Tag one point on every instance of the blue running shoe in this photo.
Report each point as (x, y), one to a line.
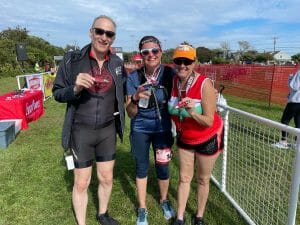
(167, 209)
(142, 217)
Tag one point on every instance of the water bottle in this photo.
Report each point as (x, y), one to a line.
(144, 102)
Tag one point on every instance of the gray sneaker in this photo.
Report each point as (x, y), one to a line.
(167, 209)
(142, 215)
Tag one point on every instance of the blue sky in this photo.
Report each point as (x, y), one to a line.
(205, 23)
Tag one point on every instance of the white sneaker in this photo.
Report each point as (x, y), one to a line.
(280, 144)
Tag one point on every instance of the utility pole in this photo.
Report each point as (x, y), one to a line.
(274, 42)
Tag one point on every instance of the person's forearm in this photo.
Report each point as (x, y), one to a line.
(202, 119)
(131, 107)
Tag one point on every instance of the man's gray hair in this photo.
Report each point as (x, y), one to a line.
(104, 17)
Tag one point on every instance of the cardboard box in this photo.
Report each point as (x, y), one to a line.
(18, 124)
(7, 133)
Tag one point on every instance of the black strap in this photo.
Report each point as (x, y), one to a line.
(166, 83)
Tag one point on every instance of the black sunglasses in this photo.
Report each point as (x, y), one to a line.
(100, 31)
(184, 61)
(146, 51)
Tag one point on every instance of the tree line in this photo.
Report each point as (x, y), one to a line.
(41, 51)
(223, 55)
(37, 49)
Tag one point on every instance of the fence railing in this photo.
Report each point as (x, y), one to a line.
(259, 179)
(268, 83)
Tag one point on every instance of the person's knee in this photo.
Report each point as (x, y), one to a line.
(162, 171)
(81, 185)
(106, 178)
(203, 181)
(184, 178)
(141, 173)
(141, 169)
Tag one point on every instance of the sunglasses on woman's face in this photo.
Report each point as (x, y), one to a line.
(180, 61)
(108, 33)
(146, 51)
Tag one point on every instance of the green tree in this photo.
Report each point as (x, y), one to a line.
(127, 56)
(218, 57)
(248, 56)
(185, 43)
(204, 54)
(38, 50)
(225, 47)
(296, 58)
(244, 46)
(167, 56)
(262, 57)
(17, 35)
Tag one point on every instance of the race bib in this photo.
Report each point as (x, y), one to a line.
(163, 155)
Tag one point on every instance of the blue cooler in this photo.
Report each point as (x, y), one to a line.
(7, 133)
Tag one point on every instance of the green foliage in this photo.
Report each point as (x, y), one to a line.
(127, 56)
(167, 56)
(248, 56)
(263, 57)
(185, 43)
(8, 70)
(38, 50)
(296, 58)
(204, 54)
(16, 35)
(219, 60)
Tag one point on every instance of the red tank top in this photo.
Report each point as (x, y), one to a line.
(191, 131)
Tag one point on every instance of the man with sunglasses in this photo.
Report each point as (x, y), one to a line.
(199, 130)
(148, 90)
(92, 83)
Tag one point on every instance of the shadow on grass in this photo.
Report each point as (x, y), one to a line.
(124, 179)
(217, 213)
(124, 184)
(191, 205)
(124, 174)
(69, 179)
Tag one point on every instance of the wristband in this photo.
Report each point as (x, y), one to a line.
(135, 102)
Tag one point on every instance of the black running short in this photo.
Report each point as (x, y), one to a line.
(209, 147)
(90, 144)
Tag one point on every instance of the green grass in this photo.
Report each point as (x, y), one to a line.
(35, 186)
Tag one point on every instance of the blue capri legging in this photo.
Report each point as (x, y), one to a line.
(140, 147)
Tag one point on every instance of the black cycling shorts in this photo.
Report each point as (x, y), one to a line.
(209, 147)
(89, 144)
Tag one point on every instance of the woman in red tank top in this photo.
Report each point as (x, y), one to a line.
(199, 129)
